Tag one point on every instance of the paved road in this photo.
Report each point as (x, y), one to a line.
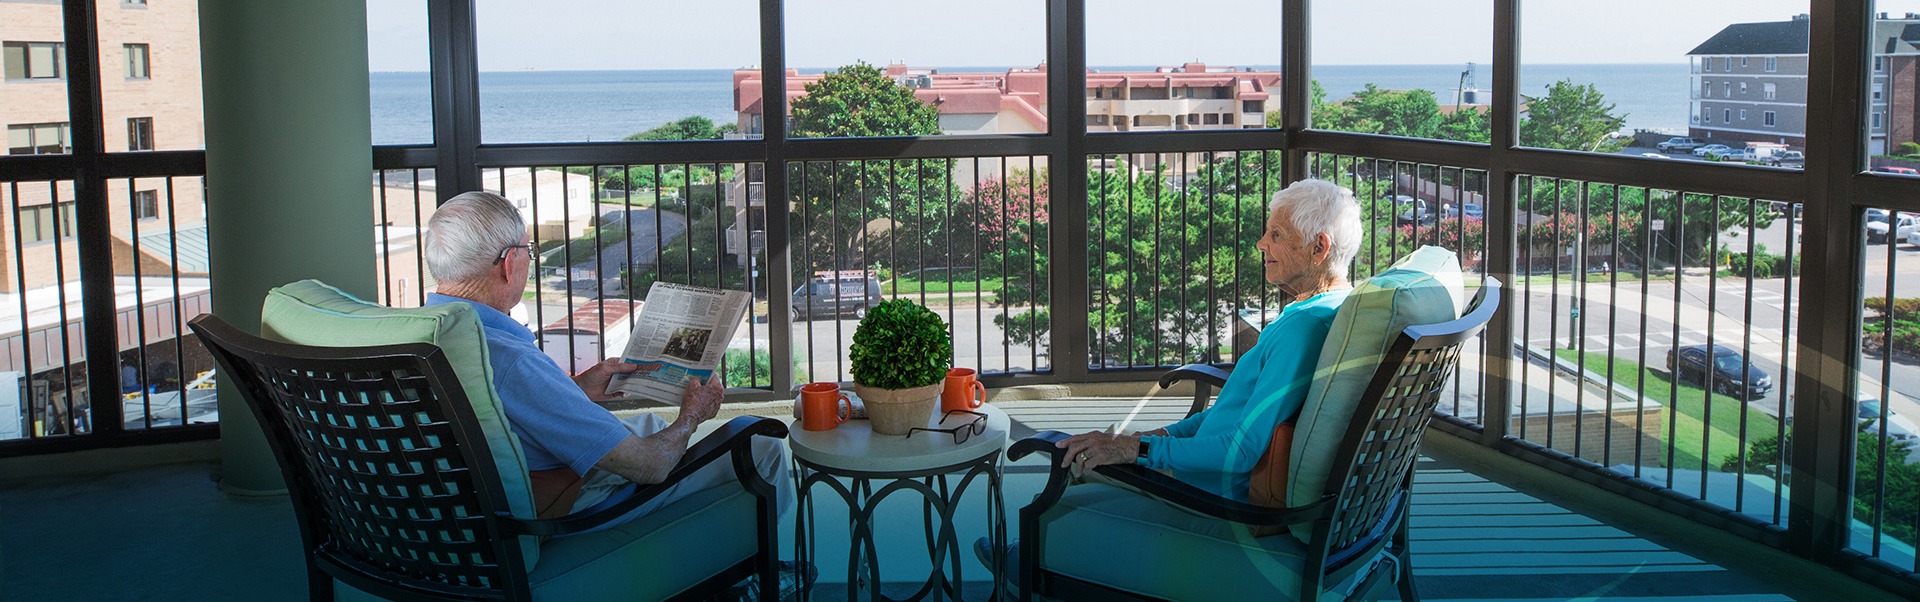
(1628, 317)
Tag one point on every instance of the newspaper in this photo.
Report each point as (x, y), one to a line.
(680, 335)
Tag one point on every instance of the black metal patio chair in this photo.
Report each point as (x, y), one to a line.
(398, 495)
(1358, 526)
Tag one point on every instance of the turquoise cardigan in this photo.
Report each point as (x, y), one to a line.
(1216, 449)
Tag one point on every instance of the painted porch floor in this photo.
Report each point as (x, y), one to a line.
(166, 533)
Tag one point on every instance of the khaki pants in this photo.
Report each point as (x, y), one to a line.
(769, 458)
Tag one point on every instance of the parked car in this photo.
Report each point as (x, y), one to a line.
(836, 294)
(1713, 150)
(1905, 225)
(1794, 159)
(1904, 171)
(1473, 210)
(1409, 209)
(1876, 226)
(1899, 428)
(1678, 144)
(1731, 373)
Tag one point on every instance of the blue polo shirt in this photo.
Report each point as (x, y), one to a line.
(1216, 449)
(557, 425)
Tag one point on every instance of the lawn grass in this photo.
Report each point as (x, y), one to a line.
(1687, 411)
(960, 283)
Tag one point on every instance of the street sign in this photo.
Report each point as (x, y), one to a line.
(1659, 225)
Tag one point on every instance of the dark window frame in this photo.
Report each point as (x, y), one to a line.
(22, 52)
(139, 134)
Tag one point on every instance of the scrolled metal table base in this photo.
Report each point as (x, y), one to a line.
(938, 504)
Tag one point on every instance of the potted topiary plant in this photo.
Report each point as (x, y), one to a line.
(900, 356)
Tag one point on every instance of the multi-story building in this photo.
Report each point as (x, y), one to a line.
(1192, 96)
(1189, 97)
(1749, 83)
(150, 89)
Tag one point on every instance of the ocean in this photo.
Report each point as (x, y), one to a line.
(586, 106)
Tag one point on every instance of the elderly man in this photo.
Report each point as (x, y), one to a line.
(1312, 233)
(476, 248)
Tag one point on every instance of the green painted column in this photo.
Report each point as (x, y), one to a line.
(288, 169)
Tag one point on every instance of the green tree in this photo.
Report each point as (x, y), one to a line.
(1169, 253)
(1411, 113)
(688, 128)
(860, 100)
(1573, 117)
(842, 205)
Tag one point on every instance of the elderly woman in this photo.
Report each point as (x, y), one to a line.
(1312, 233)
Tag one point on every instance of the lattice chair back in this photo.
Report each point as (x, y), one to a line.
(390, 477)
(1374, 467)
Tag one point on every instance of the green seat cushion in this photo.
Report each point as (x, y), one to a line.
(1172, 553)
(1424, 287)
(312, 313)
(651, 557)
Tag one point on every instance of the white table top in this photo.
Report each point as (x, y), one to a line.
(853, 445)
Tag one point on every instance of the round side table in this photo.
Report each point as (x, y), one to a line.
(922, 462)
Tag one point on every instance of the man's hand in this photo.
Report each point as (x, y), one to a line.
(1159, 432)
(1084, 452)
(701, 401)
(594, 380)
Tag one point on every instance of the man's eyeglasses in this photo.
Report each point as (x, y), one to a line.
(509, 249)
(960, 433)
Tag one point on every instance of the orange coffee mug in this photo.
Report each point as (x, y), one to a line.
(963, 390)
(821, 405)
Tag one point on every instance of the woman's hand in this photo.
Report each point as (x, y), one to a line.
(1085, 452)
(593, 381)
(1159, 432)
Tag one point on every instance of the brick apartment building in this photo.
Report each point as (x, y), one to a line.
(150, 85)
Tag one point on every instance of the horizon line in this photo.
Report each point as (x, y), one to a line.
(1477, 63)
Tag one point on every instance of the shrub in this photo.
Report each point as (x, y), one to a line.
(741, 371)
(1908, 148)
(901, 345)
(1761, 265)
(1901, 479)
(1904, 318)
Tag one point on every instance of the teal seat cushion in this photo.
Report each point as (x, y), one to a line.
(1424, 287)
(1174, 554)
(652, 557)
(312, 313)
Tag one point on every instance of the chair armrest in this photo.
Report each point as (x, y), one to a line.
(1159, 485)
(1206, 374)
(1180, 493)
(732, 439)
(1045, 443)
(1203, 375)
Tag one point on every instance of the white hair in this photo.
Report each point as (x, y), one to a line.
(1322, 207)
(467, 233)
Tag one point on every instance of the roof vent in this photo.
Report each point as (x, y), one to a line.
(1803, 17)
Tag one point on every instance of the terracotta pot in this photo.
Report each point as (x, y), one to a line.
(894, 411)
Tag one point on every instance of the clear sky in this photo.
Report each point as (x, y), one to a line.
(723, 34)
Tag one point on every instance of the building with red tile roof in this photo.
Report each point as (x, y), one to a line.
(1190, 96)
